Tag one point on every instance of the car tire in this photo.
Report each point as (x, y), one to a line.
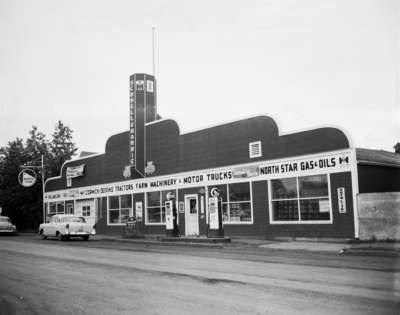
(85, 238)
(60, 236)
(42, 236)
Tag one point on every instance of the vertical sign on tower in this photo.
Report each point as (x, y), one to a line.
(142, 110)
(132, 123)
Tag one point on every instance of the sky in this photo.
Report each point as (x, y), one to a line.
(306, 63)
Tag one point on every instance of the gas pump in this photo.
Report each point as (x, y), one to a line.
(215, 214)
(171, 216)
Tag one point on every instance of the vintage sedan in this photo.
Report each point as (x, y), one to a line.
(6, 227)
(65, 226)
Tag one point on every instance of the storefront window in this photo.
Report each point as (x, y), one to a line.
(60, 207)
(300, 199)
(236, 202)
(52, 208)
(155, 210)
(118, 209)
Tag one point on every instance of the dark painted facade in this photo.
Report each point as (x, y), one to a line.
(271, 184)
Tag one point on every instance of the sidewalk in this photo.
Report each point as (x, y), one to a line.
(312, 245)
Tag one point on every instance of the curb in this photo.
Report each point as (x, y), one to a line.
(160, 242)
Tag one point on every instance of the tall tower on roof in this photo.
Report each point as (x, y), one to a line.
(142, 110)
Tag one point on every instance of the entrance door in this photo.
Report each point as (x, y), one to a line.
(191, 215)
(70, 209)
(86, 209)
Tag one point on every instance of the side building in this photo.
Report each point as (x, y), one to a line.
(302, 184)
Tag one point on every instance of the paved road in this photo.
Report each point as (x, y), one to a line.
(100, 277)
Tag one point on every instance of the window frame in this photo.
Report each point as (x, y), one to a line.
(119, 209)
(161, 206)
(85, 210)
(298, 198)
(228, 202)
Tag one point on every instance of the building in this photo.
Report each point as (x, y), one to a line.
(269, 184)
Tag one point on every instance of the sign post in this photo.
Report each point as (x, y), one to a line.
(27, 178)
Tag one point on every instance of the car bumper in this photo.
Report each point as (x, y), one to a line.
(73, 233)
(8, 231)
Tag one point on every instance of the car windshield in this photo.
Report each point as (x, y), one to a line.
(73, 219)
(4, 219)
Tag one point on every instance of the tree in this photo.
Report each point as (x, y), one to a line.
(61, 148)
(24, 205)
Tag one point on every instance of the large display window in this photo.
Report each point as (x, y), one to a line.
(56, 208)
(300, 199)
(155, 206)
(236, 202)
(119, 208)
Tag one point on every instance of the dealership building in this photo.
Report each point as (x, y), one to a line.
(267, 183)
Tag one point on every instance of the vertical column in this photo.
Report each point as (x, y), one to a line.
(142, 110)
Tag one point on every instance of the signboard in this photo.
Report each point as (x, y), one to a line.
(307, 166)
(304, 166)
(169, 218)
(131, 223)
(214, 192)
(245, 172)
(75, 171)
(27, 177)
(150, 168)
(150, 87)
(202, 204)
(324, 206)
(213, 210)
(181, 207)
(127, 171)
(132, 121)
(139, 210)
(170, 195)
(341, 199)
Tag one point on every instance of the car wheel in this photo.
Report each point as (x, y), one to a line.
(42, 236)
(60, 236)
(85, 238)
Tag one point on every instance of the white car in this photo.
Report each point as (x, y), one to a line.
(6, 226)
(65, 226)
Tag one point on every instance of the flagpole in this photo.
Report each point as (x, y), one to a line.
(154, 65)
(44, 208)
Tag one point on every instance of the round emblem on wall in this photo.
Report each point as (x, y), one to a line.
(214, 192)
(27, 177)
(170, 195)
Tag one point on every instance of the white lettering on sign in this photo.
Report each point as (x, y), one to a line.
(306, 165)
(27, 177)
(132, 130)
(341, 199)
(75, 171)
(317, 164)
(213, 210)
